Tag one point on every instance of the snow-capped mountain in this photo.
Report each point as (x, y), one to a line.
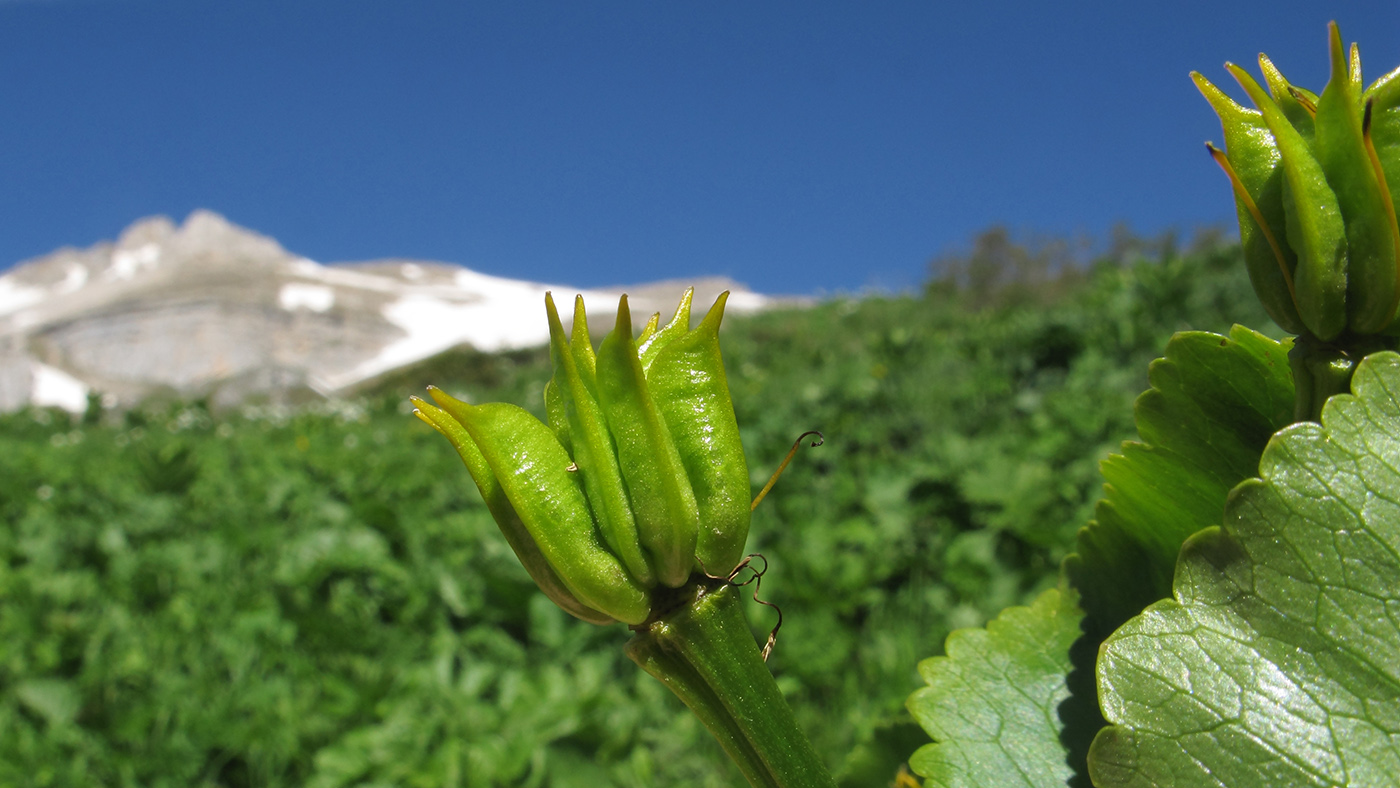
(208, 307)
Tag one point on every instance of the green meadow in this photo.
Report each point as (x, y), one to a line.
(316, 595)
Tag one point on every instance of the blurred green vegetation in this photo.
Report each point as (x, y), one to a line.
(317, 596)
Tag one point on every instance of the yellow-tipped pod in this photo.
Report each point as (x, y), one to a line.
(535, 472)
(1314, 178)
(1366, 211)
(1252, 164)
(692, 392)
(653, 342)
(1312, 220)
(593, 452)
(515, 532)
(662, 499)
(639, 478)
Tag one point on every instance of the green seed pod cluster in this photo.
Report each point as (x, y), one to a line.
(1313, 177)
(637, 481)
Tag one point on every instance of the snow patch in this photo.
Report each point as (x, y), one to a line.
(294, 296)
(310, 269)
(52, 387)
(433, 325)
(76, 277)
(745, 301)
(126, 263)
(467, 279)
(503, 314)
(14, 297)
(303, 266)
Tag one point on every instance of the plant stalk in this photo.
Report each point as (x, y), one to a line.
(1321, 369)
(703, 651)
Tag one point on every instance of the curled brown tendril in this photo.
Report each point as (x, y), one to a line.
(756, 577)
(783, 466)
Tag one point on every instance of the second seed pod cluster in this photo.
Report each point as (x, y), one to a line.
(637, 481)
(1314, 177)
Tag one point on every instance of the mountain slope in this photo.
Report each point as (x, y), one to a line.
(210, 308)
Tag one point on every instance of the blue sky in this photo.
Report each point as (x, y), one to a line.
(797, 147)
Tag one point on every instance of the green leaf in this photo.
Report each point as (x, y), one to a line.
(1213, 404)
(53, 699)
(1276, 662)
(992, 704)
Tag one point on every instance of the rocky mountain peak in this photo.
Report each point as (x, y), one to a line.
(211, 308)
(209, 237)
(150, 230)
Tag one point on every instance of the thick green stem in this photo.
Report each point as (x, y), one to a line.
(703, 651)
(681, 679)
(1321, 369)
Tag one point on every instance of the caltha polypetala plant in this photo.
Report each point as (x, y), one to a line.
(632, 505)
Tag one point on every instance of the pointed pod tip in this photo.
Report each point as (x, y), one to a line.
(1277, 82)
(624, 315)
(447, 401)
(1256, 94)
(1216, 97)
(426, 413)
(1335, 51)
(578, 332)
(1222, 104)
(556, 326)
(716, 313)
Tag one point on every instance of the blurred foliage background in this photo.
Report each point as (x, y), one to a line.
(317, 596)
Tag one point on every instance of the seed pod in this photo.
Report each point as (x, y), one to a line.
(504, 514)
(1314, 178)
(654, 343)
(1252, 164)
(1312, 219)
(605, 502)
(533, 470)
(1380, 130)
(580, 341)
(1369, 218)
(650, 328)
(555, 416)
(660, 492)
(1299, 105)
(594, 456)
(689, 384)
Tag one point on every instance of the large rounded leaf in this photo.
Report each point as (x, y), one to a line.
(1015, 704)
(1277, 662)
